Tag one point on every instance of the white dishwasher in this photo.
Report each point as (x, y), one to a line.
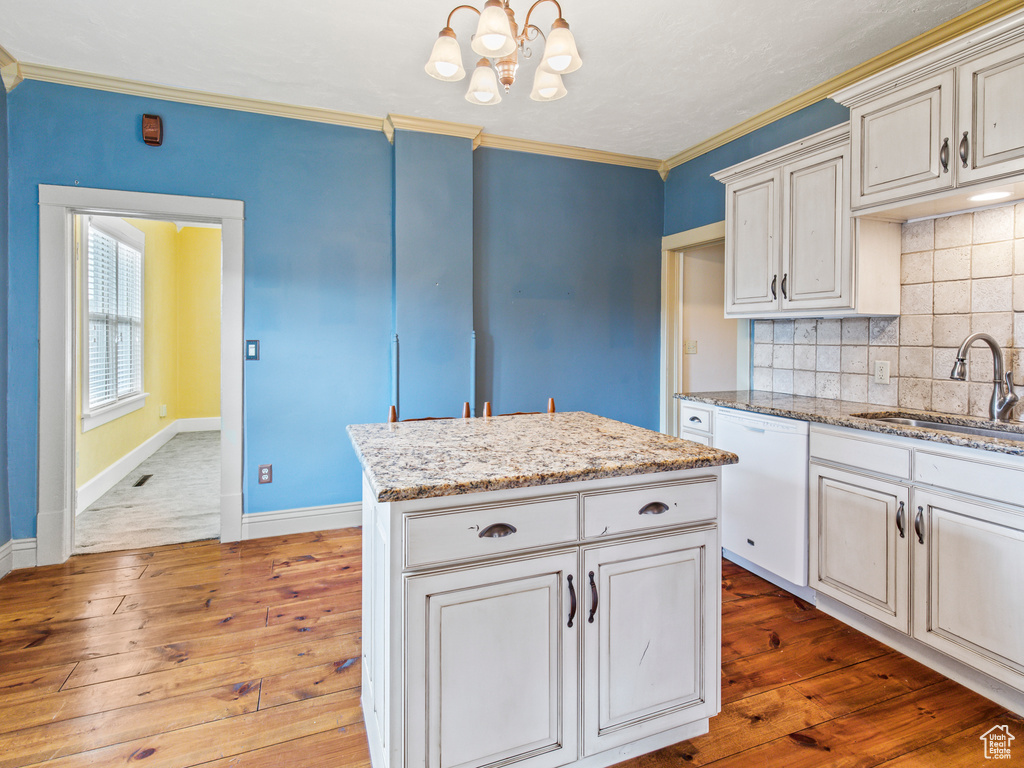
(764, 497)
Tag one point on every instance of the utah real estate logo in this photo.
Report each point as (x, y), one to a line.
(997, 742)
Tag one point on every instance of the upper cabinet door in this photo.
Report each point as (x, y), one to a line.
(752, 244)
(816, 254)
(990, 130)
(903, 143)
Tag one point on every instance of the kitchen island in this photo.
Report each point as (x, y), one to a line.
(538, 590)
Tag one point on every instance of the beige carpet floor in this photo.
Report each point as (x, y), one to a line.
(180, 501)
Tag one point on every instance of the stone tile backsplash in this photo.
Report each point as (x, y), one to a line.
(959, 275)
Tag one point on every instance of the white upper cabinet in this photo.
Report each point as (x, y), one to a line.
(948, 118)
(752, 243)
(990, 138)
(902, 142)
(791, 246)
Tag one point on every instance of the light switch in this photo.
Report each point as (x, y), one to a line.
(691, 347)
(252, 349)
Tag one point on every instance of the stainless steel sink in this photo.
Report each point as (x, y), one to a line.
(1001, 434)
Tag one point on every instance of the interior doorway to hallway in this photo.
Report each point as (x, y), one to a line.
(57, 332)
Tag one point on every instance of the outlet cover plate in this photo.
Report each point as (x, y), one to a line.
(266, 473)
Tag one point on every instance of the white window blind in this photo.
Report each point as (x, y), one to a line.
(114, 268)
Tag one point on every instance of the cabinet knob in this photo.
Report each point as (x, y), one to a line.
(497, 531)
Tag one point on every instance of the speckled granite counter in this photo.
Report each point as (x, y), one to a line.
(842, 413)
(423, 459)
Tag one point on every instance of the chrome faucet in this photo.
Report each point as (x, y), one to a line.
(1003, 396)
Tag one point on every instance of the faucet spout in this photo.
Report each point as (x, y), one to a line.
(1003, 396)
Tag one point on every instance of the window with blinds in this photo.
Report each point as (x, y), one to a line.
(113, 316)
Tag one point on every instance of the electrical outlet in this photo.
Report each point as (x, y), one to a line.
(881, 371)
(691, 347)
(266, 473)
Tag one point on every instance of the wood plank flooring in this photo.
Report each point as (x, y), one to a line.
(248, 655)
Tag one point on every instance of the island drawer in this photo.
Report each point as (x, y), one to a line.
(441, 537)
(696, 418)
(651, 506)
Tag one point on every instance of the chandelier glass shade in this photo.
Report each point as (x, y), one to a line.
(500, 44)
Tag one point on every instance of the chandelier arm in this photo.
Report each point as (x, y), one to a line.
(459, 7)
(559, 7)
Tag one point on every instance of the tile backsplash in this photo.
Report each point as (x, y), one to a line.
(959, 275)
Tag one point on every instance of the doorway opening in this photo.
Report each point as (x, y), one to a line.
(701, 350)
(58, 420)
(147, 382)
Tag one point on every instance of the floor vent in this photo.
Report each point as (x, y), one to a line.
(142, 481)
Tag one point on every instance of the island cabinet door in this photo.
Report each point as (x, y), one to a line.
(651, 614)
(968, 571)
(491, 666)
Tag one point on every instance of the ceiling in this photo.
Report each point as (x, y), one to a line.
(658, 76)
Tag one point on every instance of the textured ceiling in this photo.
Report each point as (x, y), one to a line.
(658, 76)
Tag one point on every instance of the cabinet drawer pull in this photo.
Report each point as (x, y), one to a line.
(919, 524)
(654, 508)
(497, 531)
(899, 521)
(775, 279)
(572, 600)
(965, 149)
(593, 599)
(784, 294)
(944, 155)
(696, 419)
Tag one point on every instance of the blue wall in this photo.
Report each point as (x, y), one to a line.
(693, 198)
(433, 273)
(318, 249)
(567, 274)
(5, 516)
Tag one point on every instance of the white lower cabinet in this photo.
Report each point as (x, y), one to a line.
(494, 674)
(860, 552)
(915, 552)
(968, 576)
(484, 644)
(647, 664)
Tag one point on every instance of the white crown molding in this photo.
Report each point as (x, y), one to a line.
(943, 33)
(10, 72)
(425, 125)
(170, 93)
(564, 150)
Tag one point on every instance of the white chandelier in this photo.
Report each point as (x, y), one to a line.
(499, 42)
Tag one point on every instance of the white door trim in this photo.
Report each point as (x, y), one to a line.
(673, 248)
(57, 206)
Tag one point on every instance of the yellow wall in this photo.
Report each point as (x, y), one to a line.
(181, 355)
(198, 323)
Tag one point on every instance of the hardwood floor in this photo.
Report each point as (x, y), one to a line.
(248, 655)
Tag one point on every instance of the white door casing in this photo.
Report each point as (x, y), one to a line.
(57, 206)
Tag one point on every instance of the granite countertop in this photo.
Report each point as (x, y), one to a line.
(423, 459)
(843, 413)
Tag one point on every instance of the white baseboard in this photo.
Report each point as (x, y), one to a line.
(207, 424)
(257, 525)
(92, 490)
(6, 558)
(17, 553)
